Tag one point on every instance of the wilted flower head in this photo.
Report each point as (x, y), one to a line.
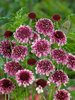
(23, 34)
(35, 36)
(24, 77)
(41, 83)
(59, 77)
(8, 34)
(12, 68)
(19, 52)
(59, 37)
(31, 61)
(41, 47)
(56, 17)
(44, 66)
(6, 48)
(59, 55)
(32, 15)
(62, 95)
(6, 86)
(71, 61)
(44, 26)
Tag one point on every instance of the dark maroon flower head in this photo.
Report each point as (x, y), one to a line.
(31, 61)
(6, 86)
(41, 82)
(59, 77)
(56, 17)
(8, 34)
(71, 61)
(5, 48)
(62, 95)
(12, 67)
(32, 15)
(24, 77)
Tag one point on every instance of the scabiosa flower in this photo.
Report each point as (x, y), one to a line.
(59, 77)
(44, 66)
(6, 48)
(71, 61)
(23, 34)
(41, 47)
(59, 55)
(32, 15)
(35, 36)
(44, 26)
(59, 37)
(56, 17)
(31, 61)
(12, 68)
(6, 86)
(8, 34)
(19, 52)
(62, 95)
(41, 83)
(24, 77)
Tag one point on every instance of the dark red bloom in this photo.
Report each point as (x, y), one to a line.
(8, 34)
(41, 82)
(31, 61)
(56, 17)
(32, 15)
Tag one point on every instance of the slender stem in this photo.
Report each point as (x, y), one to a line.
(5, 97)
(8, 97)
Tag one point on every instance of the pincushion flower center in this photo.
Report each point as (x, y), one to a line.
(61, 96)
(58, 35)
(45, 24)
(41, 46)
(24, 76)
(6, 83)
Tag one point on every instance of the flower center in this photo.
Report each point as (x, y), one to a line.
(58, 34)
(41, 47)
(24, 76)
(41, 82)
(45, 24)
(61, 96)
(6, 83)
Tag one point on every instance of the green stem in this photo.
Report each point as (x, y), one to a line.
(51, 88)
(8, 97)
(5, 97)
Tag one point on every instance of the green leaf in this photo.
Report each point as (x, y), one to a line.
(66, 26)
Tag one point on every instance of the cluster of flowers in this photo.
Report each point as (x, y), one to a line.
(41, 47)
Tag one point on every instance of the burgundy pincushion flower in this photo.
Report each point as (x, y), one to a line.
(59, 77)
(71, 61)
(19, 52)
(35, 36)
(56, 17)
(41, 47)
(24, 77)
(32, 15)
(44, 26)
(44, 66)
(59, 37)
(59, 55)
(8, 34)
(62, 95)
(31, 61)
(23, 34)
(41, 83)
(12, 68)
(6, 86)
(5, 48)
